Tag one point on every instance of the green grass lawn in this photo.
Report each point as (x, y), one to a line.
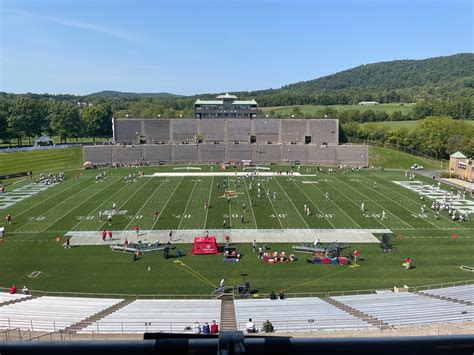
(404, 124)
(31, 244)
(40, 161)
(393, 159)
(314, 109)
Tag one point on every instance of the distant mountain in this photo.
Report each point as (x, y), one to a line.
(120, 94)
(398, 74)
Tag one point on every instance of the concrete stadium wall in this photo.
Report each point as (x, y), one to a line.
(211, 153)
(157, 153)
(353, 155)
(346, 155)
(265, 153)
(98, 154)
(156, 131)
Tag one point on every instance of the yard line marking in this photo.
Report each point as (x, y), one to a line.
(409, 225)
(250, 203)
(229, 204)
(44, 201)
(128, 199)
(299, 214)
(406, 209)
(310, 200)
(337, 205)
(271, 203)
(411, 198)
(169, 198)
(148, 199)
(187, 204)
(75, 208)
(98, 207)
(72, 196)
(208, 203)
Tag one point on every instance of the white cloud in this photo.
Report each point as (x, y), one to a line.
(106, 30)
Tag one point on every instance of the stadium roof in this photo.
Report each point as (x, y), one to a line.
(458, 155)
(227, 96)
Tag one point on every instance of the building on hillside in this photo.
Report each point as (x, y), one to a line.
(368, 103)
(461, 166)
(225, 106)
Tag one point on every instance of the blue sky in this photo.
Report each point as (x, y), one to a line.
(191, 46)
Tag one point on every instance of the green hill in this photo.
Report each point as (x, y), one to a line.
(398, 74)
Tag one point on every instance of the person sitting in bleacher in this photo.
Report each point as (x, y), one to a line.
(273, 295)
(250, 326)
(267, 327)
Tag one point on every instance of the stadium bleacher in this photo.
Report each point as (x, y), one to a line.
(212, 152)
(157, 131)
(156, 153)
(51, 313)
(185, 153)
(323, 155)
(130, 154)
(127, 131)
(262, 153)
(158, 316)
(212, 130)
(293, 130)
(239, 152)
(239, 130)
(293, 152)
(402, 309)
(184, 131)
(296, 314)
(98, 154)
(460, 293)
(324, 132)
(267, 130)
(353, 155)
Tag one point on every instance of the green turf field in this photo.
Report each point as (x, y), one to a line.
(30, 243)
(314, 109)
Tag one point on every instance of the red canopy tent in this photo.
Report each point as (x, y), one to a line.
(205, 246)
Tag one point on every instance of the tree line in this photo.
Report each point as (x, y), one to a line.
(30, 117)
(436, 136)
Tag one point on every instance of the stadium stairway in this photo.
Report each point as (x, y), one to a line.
(76, 327)
(17, 300)
(361, 315)
(228, 319)
(445, 298)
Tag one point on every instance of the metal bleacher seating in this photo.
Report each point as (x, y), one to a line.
(6, 297)
(157, 131)
(262, 153)
(296, 314)
(158, 316)
(402, 309)
(324, 132)
(461, 293)
(239, 130)
(51, 313)
(293, 131)
(212, 130)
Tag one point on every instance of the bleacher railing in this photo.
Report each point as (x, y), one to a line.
(320, 294)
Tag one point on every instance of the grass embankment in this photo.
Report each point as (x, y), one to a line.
(393, 159)
(314, 109)
(404, 124)
(40, 161)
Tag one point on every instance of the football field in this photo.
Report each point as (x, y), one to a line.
(263, 202)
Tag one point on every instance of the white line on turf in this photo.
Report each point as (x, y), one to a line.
(166, 203)
(98, 207)
(75, 208)
(208, 203)
(250, 204)
(298, 212)
(143, 205)
(382, 208)
(187, 204)
(406, 209)
(271, 203)
(310, 200)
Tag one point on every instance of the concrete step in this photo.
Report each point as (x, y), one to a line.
(356, 313)
(228, 321)
(445, 298)
(96, 317)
